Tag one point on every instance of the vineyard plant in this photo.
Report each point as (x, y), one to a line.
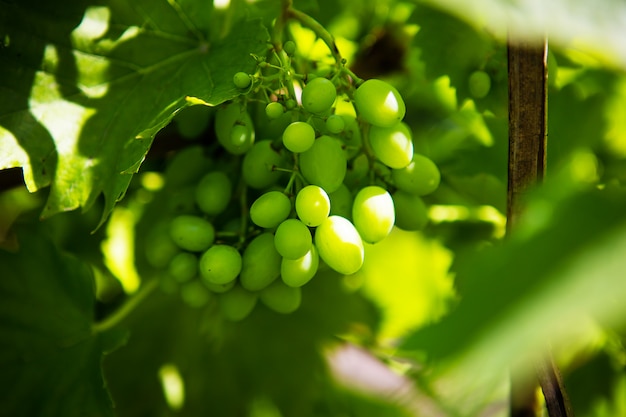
(304, 208)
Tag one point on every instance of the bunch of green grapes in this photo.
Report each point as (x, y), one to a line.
(311, 168)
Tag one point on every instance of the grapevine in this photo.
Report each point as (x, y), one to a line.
(316, 162)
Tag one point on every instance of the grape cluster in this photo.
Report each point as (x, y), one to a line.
(266, 213)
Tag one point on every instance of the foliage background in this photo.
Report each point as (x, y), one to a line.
(434, 320)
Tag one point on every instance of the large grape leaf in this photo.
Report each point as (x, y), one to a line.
(50, 360)
(85, 87)
(561, 271)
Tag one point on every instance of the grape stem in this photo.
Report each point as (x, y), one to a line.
(124, 311)
(318, 29)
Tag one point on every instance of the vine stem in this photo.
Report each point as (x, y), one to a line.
(319, 30)
(124, 311)
(527, 72)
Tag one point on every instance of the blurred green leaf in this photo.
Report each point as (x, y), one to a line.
(49, 358)
(594, 28)
(86, 88)
(562, 267)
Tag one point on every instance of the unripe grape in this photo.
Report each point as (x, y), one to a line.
(213, 192)
(192, 233)
(297, 272)
(292, 239)
(324, 164)
(220, 264)
(289, 47)
(312, 205)
(351, 135)
(393, 146)
(242, 80)
(159, 246)
(420, 177)
(274, 110)
(318, 95)
(270, 209)
(281, 298)
(186, 166)
(298, 137)
(226, 118)
(411, 212)
(237, 304)
(259, 163)
(341, 202)
(183, 267)
(340, 245)
(261, 263)
(379, 103)
(373, 213)
(192, 121)
(335, 124)
(194, 294)
(479, 84)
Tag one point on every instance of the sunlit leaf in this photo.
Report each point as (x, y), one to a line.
(85, 89)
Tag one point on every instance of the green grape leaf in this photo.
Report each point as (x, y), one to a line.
(50, 360)
(562, 269)
(85, 89)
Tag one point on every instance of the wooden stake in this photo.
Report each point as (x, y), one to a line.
(527, 70)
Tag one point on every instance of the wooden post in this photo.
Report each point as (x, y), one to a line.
(527, 71)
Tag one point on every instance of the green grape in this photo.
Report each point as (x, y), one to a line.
(351, 136)
(357, 172)
(393, 146)
(289, 47)
(318, 95)
(226, 118)
(340, 245)
(292, 239)
(239, 135)
(290, 104)
(335, 124)
(237, 304)
(373, 213)
(194, 294)
(281, 298)
(411, 212)
(312, 205)
(259, 163)
(192, 233)
(479, 84)
(220, 264)
(341, 202)
(213, 192)
(186, 166)
(219, 288)
(261, 263)
(270, 209)
(242, 80)
(192, 121)
(298, 137)
(274, 110)
(379, 103)
(420, 177)
(182, 200)
(159, 246)
(324, 164)
(297, 272)
(183, 267)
